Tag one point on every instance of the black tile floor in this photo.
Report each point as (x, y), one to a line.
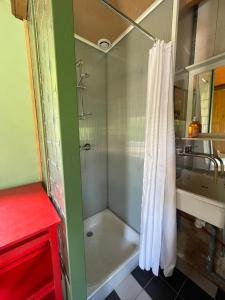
(177, 287)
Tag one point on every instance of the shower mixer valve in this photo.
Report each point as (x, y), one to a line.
(86, 147)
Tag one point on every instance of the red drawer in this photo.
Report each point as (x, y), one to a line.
(27, 279)
(29, 252)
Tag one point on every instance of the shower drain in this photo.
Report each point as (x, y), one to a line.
(90, 233)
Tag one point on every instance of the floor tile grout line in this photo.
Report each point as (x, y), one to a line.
(148, 282)
(139, 293)
(183, 284)
(143, 288)
(170, 286)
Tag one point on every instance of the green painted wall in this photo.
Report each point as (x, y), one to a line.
(51, 32)
(18, 149)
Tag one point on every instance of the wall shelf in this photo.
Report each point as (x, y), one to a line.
(205, 63)
(206, 137)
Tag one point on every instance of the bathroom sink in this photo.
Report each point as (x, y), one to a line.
(199, 196)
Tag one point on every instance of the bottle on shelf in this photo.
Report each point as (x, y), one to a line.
(194, 128)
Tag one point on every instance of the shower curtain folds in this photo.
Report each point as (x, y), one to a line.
(158, 215)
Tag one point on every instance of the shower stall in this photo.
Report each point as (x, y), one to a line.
(111, 88)
(111, 246)
(92, 128)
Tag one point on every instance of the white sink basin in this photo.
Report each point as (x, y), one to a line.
(199, 196)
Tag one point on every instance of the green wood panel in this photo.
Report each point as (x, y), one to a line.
(52, 26)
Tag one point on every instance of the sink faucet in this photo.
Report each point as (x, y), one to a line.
(187, 151)
(221, 165)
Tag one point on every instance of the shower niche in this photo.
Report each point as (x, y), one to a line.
(111, 88)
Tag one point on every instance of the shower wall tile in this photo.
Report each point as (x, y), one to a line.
(93, 130)
(127, 66)
(184, 40)
(220, 41)
(206, 30)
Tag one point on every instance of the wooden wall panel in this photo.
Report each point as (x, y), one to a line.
(218, 114)
(218, 117)
(219, 76)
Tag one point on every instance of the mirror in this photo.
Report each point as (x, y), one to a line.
(202, 99)
(209, 103)
(201, 96)
(209, 100)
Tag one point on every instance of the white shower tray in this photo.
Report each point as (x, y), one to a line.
(111, 248)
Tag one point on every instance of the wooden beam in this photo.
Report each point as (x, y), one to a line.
(19, 8)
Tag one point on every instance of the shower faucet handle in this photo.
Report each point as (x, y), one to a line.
(86, 147)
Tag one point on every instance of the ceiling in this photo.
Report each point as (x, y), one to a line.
(94, 21)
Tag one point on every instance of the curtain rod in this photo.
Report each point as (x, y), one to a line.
(140, 28)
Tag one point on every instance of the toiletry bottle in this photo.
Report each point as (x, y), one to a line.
(194, 128)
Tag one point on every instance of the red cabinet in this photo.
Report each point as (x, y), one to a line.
(29, 253)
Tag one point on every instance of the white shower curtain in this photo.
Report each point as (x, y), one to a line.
(158, 214)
